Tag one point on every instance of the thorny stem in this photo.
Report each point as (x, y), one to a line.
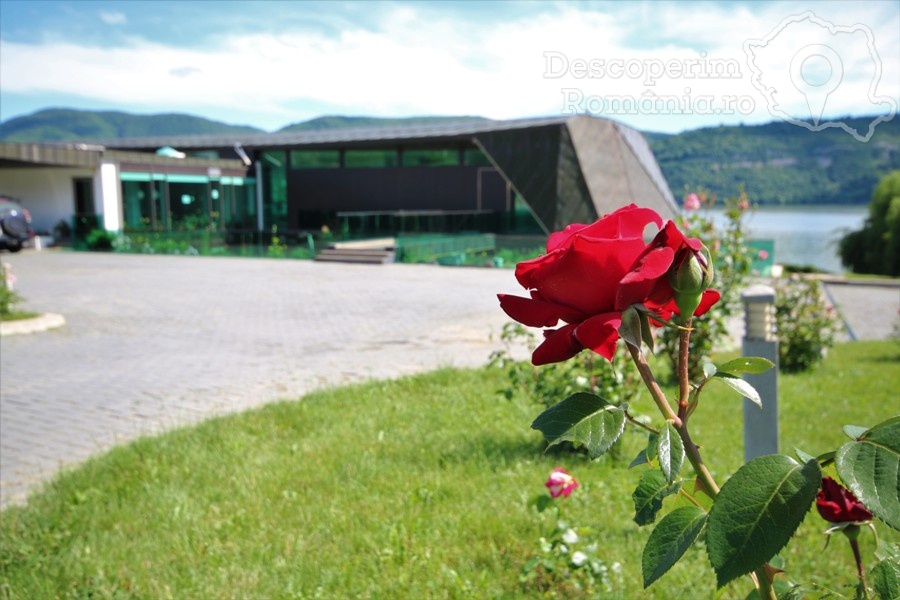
(760, 576)
(643, 426)
(684, 386)
(763, 582)
(860, 571)
(690, 448)
(655, 391)
(684, 383)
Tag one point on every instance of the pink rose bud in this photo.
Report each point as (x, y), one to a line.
(561, 483)
(692, 202)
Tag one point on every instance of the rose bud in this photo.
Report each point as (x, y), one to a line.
(561, 483)
(691, 275)
(837, 504)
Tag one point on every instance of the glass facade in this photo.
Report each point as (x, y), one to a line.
(371, 159)
(473, 157)
(315, 159)
(274, 187)
(442, 157)
(157, 202)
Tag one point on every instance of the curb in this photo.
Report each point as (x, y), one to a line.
(34, 325)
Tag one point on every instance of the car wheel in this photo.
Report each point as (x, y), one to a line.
(16, 226)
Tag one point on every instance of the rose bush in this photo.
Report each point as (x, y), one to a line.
(604, 283)
(592, 273)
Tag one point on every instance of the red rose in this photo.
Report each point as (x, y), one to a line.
(590, 274)
(837, 504)
(670, 261)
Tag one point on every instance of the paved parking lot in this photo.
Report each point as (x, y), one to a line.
(152, 342)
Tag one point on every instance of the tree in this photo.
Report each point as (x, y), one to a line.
(876, 247)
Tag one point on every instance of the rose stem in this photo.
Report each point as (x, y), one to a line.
(761, 577)
(859, 566)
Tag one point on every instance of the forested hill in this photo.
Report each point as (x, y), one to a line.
(780, 163)
(65, 125)
(775, 163)
(340, 121)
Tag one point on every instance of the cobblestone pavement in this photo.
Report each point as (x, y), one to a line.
(154, 342)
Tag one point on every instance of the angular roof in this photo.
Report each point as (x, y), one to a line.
(567, 168)
(337, 135)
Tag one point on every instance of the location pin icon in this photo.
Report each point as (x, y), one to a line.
(817, 57)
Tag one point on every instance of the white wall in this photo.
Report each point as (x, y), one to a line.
(109, 202)
(48, 193)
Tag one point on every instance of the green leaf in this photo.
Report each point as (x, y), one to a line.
(854, 432)
(583, 419)
(803, 456)
(630, 328)
(757, 512)
(646, 331)
(670, 449)
(649, 494)
(640, 459)
(709, 370)
(740, 386)
(670, 540)
(885, 579)
(870, 467)
(746, 364)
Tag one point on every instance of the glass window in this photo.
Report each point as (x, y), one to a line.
(473, 157)
(355, 159)
(315, 159)
(274, 180)
(189, 205)
(444, 157)
(137, 205)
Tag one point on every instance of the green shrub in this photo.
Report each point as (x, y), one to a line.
(806, 323)
(101, 239)
(617, 382)
(8, 297)
(875, 248)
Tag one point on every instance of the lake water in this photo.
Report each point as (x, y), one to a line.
(806, 235)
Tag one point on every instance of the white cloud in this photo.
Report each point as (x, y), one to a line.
(407, 65)
(113, 17)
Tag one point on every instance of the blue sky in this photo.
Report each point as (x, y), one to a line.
(656, 66)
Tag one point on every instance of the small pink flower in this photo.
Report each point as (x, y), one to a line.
(763, 255)
(743, 205)
(561, 483)
(691, 202)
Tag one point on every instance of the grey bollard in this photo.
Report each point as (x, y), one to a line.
(761, 425)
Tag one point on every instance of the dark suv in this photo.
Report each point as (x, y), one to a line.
(15, 225)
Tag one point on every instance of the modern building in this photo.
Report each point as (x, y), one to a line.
(505, 177)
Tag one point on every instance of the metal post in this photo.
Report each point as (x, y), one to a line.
(761, 425)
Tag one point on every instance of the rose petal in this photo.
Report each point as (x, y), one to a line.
(600, 334)
(558, 345)
(641, 280)
(529, 312)
(586, 275)
(627, 221)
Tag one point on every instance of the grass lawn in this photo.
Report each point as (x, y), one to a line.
(17, 315)
(415, 488)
